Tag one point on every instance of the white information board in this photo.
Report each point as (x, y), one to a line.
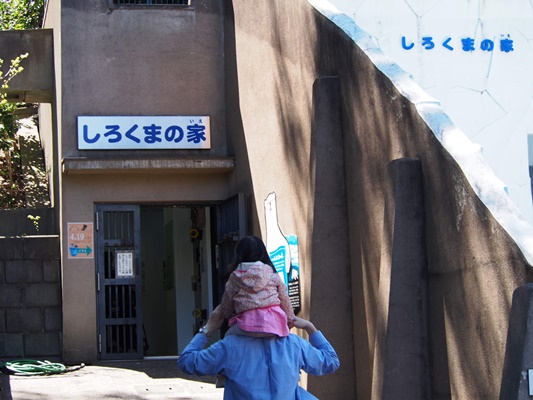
(124, 263)
(143, 132)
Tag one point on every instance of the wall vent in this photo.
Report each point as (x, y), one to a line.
(153, 2)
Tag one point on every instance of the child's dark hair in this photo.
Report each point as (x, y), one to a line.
(251, 249)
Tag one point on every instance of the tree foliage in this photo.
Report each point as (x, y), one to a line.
(8, 121)
(11, 195)
(14, 15)
(21, 14)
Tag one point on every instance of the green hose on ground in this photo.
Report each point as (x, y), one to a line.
(29, 367)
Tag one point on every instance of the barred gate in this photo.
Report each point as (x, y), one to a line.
(118, 281)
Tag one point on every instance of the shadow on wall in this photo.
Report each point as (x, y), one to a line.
(473, 264)
(235, 128)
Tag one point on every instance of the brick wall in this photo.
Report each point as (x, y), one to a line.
(30, 298)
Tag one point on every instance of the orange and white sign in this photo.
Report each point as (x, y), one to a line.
(80, 240)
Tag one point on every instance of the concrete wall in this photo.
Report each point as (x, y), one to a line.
(30, 298)
(27, 221)
(275, 52)
(518, 355)
(141, 61)
(131, 61)
(287, 138)
(36, 82)
(49, 128)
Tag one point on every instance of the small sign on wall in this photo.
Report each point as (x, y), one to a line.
(283, 251)
(80, 240)
(143, 132)
(124, 263)
(293, 277)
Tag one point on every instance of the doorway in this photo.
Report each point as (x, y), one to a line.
(160, 270)
(154, 274)
(176, 276)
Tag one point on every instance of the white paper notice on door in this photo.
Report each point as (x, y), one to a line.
(124, 263)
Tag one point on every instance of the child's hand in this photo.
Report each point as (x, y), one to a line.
(304, 324)
(290, 322)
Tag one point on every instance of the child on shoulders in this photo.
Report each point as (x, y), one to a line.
(256, 294)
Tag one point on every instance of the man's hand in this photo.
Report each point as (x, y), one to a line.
(215, 320)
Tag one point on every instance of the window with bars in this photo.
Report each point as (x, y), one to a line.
(153, 2)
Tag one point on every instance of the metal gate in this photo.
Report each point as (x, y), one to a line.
(118, 280)
(231, 226)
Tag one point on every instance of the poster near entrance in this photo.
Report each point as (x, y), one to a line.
(124, 268)
(283, 251)
(293, 279)
(80, 240)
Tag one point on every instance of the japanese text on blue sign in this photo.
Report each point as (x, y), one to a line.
(143, 132)
(468, 44)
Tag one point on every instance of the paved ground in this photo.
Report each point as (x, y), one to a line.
(132, 380)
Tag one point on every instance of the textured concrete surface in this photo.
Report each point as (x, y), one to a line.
(519, 349)
(133, 380)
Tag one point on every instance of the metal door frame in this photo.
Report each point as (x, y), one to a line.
(231, 227)
(119, 312)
